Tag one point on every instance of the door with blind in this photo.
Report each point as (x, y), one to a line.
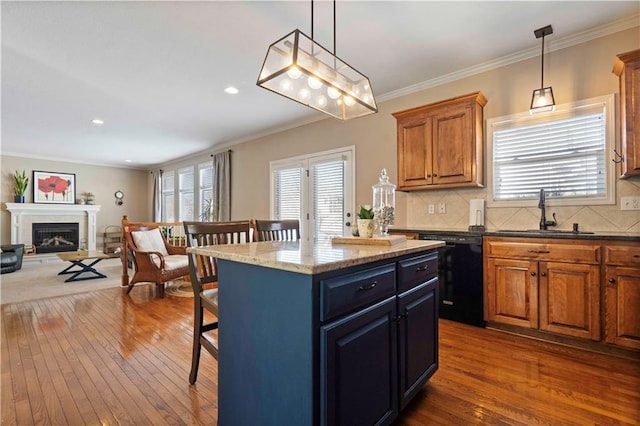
(316, 189)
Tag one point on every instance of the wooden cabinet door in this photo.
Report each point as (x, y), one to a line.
(512, 292)
(622, 306)
(417, 338)
(627, 68)
(453, 145)
(415, 152)
(570, 299)
(359, 367)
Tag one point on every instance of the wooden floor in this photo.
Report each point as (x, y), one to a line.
(107, 358)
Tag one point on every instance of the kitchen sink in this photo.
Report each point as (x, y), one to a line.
(544, 231)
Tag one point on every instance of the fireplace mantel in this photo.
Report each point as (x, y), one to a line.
(22, 215)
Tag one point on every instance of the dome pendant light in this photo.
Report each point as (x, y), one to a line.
(300, 69)
(542, 99)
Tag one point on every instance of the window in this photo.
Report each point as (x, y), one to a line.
(205, 187)
(185, 194)
(168, 197)
(316, 189)
(566, 153)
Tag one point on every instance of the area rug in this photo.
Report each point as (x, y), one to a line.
(39, 280)
(179, 289)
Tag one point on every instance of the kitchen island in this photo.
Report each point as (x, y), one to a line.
(315, 334)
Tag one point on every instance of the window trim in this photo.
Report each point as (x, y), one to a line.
(607, 102)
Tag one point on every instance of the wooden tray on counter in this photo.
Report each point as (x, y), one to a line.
(389, 240)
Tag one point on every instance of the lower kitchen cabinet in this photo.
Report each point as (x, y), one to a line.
(360, 369)
(375, 360)
(418, 337)
(544, 284)
(622, 296)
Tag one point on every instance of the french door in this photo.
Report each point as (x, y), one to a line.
(317, 189)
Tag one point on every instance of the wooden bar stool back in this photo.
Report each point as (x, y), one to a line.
(204, 280)
(277, 230)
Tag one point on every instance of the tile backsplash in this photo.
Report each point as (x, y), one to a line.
(597, 218)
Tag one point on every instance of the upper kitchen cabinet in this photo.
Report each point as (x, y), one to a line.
(440, 145)
(627, 68)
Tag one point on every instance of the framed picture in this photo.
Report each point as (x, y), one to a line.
(54, 187)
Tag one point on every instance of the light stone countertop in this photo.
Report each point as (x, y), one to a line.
(308, 258)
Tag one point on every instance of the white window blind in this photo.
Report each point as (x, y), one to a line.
(168, 198)
(205, 186)
(328, 203)
(185, 196)
(288, 193)
(565, 154)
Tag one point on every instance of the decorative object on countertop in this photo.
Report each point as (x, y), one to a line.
(54, 187)
(21, 183)
(90, 198)
(365, 222)
(542, 98)
(300, 69)
(476, 215)
(384, 202)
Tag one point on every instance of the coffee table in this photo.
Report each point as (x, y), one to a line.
(78, 258)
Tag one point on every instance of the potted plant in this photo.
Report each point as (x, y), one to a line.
(21, 182)
(365, 222)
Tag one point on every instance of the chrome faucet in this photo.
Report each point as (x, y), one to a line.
(544, 223)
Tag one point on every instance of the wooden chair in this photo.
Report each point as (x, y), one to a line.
(277, 230)
(153, 258)
(203, 276)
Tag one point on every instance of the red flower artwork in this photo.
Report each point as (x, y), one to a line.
(54, 184)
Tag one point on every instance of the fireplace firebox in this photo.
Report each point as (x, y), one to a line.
(55, 237)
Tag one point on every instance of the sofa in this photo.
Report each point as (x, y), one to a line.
(11, 257)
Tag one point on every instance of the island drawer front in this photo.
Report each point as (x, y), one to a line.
(557, 252)
(622, 255)
(417, 270)
(349, 292)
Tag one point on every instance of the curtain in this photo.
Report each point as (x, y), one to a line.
(157, 196)
(222, 185)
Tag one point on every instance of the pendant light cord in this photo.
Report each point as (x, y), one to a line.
(334, 28)
(542, 70)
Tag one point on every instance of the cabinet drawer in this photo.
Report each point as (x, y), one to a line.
(417, 270)
(557, 252)
(622, 255)
(351, 291)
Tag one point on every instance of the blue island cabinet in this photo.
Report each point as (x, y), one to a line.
(349, 346)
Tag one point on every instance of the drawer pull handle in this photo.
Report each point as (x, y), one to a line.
(422, 268)
(539, 251)
(368, 287)
(636, 255)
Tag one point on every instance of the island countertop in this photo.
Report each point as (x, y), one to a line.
(311, 258)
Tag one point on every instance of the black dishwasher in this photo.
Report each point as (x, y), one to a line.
(460, 276)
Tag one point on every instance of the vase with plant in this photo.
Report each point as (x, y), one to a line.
(365, 222)
(21, 183)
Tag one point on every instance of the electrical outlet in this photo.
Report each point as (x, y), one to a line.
(441, 208)
(432, 209)
(629, 203)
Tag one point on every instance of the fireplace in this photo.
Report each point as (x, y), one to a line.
(55, 237)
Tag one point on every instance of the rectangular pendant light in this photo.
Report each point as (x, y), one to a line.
(542, 98)
(300, 69)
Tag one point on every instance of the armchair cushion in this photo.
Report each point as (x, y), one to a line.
(172, 261)
(149, 240)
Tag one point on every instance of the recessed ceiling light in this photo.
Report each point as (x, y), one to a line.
(231, 90)
(97, 121)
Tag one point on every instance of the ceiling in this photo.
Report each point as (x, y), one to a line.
(155, 72)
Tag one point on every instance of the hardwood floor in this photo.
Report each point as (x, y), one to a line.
(107, 358)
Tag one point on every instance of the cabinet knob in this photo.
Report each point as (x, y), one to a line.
(533, 274)
(435, 175)
(612, 280)
(543, 274)
(428, 176)
(422, 268)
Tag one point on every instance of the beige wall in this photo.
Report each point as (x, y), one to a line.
(579, 72)
(101, 181)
